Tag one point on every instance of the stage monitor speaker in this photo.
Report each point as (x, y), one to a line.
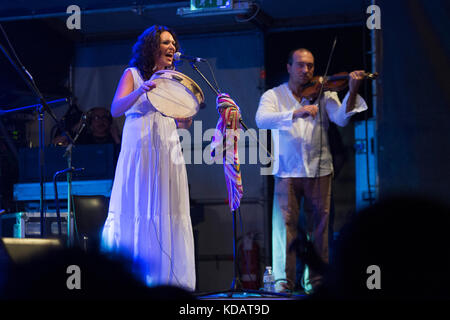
(90, 213)
(18, 250)
(90, 216)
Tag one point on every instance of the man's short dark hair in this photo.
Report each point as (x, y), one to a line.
(291, 54)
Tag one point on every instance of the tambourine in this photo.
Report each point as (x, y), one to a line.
(175, 95)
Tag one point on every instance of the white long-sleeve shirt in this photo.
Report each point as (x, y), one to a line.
(297, 141)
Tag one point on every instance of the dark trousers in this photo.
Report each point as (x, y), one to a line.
(316, 194)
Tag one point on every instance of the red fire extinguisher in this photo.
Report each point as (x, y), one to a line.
(249, 262)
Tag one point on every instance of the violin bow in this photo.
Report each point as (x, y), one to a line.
(328, 66)
(318, 104)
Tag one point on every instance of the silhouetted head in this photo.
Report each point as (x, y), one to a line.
(406, 238)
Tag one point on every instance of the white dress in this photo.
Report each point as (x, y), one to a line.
(149, 218)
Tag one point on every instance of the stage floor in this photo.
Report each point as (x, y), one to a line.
(248, 296)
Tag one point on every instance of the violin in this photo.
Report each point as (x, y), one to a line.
(336, 82)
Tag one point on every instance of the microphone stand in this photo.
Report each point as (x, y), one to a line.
(37, 106)
(43, 107)
(68, 156)
(194, 66)
(217, 92)
(68, 171)
(55, 186)
(236, 285)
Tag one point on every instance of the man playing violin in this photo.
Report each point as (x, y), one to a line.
(303, 167)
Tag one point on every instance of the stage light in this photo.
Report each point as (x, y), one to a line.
(203, 8)
(210, 4)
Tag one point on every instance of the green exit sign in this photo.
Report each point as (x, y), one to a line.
(210, 4)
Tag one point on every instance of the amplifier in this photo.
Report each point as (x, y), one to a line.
(28, 224)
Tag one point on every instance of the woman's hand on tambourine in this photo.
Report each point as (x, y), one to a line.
(147, 86)
(183, 123)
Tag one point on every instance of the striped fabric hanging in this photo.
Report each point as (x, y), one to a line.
(225, 144)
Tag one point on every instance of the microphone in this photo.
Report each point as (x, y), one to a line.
(179, 56)
(84, 121)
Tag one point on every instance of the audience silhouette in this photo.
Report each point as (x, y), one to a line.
(101, 278)
(406, 239)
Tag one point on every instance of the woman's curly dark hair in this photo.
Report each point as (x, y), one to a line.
(143, 57)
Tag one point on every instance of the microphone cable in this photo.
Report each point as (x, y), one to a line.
(214, 76)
